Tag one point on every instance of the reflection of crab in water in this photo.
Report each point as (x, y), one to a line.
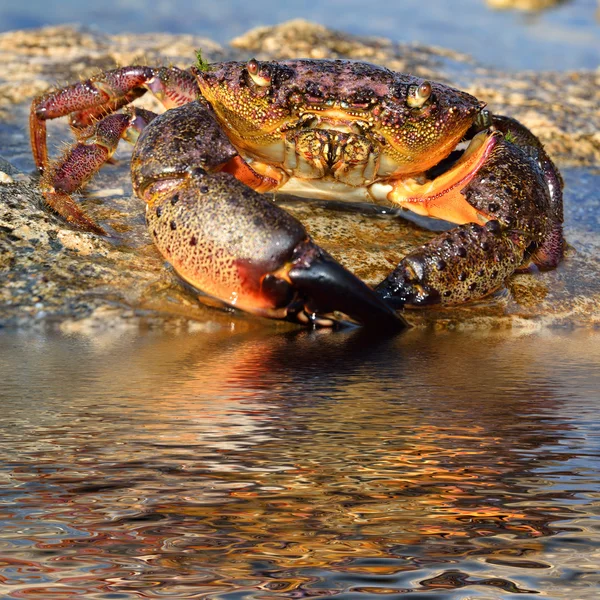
(321, 129)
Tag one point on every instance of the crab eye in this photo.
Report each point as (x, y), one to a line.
(418, 94)
(260, 76)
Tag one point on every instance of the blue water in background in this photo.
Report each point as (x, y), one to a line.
(564, 37)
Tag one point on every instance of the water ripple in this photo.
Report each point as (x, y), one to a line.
(293, 465)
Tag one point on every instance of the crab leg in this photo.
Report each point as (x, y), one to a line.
(229, 241)
(91, 105)
(84, 118)
(102, 95)
(95, 145)
(501, 227)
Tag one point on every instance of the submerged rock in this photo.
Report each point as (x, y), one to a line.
(52, 274)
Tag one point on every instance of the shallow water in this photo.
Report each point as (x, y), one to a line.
(565, 36)
(266, 465)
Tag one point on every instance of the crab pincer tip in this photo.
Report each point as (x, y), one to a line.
(330, 287)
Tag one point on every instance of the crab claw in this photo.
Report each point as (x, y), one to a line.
(239, 247)
(324, 288)
(232, 243)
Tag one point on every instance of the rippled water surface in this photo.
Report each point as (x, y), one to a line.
(291, 465)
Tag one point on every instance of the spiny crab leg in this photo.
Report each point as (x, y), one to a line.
(81, 161)
(99, 96)
(91, 105)
(231, 242)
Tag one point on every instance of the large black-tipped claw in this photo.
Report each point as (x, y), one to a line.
(329, 287)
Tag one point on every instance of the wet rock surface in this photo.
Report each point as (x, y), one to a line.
(52, 274)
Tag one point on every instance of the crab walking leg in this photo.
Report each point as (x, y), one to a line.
(84, 118)
(102, 95)
(95, 145)
(509, 224)
(231, 242)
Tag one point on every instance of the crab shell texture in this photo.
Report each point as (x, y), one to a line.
(410, 124)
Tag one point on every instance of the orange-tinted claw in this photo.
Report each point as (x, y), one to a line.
(442, 197)
(243, 172)
(239, 247)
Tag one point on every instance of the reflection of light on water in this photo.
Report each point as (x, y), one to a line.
(275, 464)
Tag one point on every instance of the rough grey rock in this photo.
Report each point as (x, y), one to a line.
(52, 274)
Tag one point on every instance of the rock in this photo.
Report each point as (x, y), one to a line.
(523, 5)
(54, 275)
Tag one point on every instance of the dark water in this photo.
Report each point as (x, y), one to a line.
(234, 466)
(565, 36)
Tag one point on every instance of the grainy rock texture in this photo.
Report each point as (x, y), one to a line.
(52, 274)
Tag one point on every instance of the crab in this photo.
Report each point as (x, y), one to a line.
(320, 129)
